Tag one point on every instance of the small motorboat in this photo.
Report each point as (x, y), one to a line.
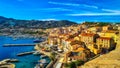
(36, 53)
(37, 40)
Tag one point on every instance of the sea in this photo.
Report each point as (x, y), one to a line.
(26, 61)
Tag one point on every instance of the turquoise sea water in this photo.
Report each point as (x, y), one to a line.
(27, 61)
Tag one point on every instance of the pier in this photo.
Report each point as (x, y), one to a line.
(25, 53)
(8, 45)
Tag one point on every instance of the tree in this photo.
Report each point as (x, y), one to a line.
(79, 62)
(52, 56)
(70, 65)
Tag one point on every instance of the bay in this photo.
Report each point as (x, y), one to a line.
(27, 61)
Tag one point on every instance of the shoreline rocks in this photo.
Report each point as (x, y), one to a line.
(6, 63)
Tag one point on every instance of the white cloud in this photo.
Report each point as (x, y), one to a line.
(73, 4)
(54, 9)
(113, 11)
(94, 14)
(91, 6)
(68, 4)
(107, 13)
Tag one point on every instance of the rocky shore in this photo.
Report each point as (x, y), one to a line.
(6, 63)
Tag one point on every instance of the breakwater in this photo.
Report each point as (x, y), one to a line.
(25, 53)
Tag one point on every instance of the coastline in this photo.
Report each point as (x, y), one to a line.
(19, 35)
(5, 64)
(11, 52)
(45, 53)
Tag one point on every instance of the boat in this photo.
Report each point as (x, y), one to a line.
(14, 60)
(43, 61)
(43, 56)
(38, 40)
(36, 53)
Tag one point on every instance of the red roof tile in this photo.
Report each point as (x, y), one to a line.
(87, 34)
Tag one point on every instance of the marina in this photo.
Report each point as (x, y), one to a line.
(27, 58)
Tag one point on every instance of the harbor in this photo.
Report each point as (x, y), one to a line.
(27, 57)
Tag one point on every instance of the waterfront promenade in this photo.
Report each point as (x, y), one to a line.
(57, 63)
(43, 52)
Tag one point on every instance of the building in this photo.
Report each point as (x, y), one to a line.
(88, 38)
(106, 28)
(67, 44)
(95, 29)
(93, 48)
(111, 33)
(73, 56)
(105, 43)
(52, 40)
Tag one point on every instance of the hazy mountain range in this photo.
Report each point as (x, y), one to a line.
(15, 23)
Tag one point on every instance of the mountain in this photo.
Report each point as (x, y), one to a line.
(14, 23)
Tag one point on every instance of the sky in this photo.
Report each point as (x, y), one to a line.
(73, 10)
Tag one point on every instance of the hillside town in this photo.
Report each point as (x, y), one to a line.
(77, 44)
(59, 33)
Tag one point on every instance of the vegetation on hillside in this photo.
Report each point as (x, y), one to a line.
(97, 23)
(14, 23)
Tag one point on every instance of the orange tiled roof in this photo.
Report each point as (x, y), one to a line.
(87, 34)
(80, 49)
(69, 39)
(76, 57)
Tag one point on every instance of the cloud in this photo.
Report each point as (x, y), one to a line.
(90, 6)
(94, 14)
(112, 11)
(68, 4)
(73, 4)
(107, 13)
(51, 9)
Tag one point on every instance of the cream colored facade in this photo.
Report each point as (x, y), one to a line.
(105, 42)
(112, 34)
(89, 38)
(106, 28)
(95, 29)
